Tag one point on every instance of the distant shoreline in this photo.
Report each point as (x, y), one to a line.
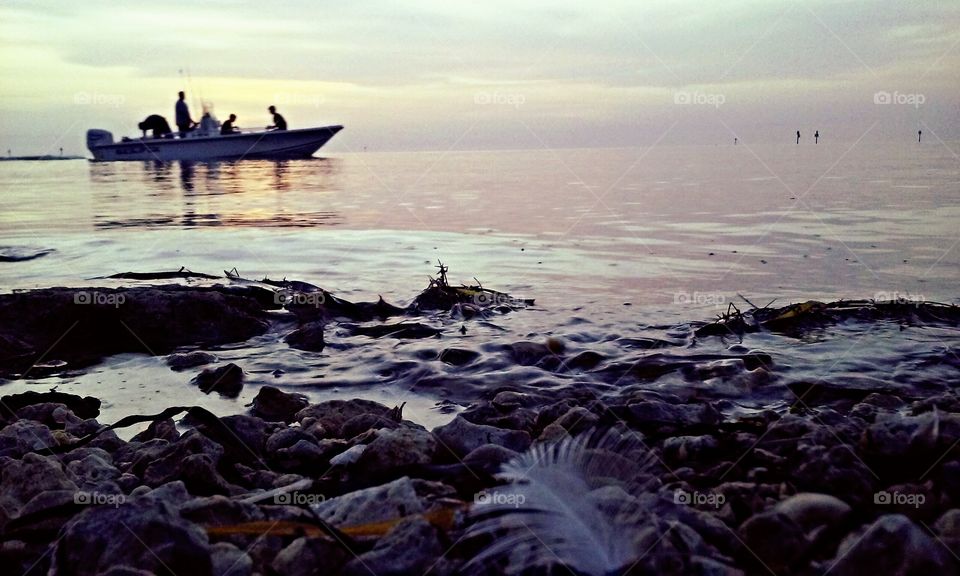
(41, 158)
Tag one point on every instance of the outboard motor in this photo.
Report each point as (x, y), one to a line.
(98, 138)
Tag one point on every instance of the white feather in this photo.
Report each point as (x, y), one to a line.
(544, 509)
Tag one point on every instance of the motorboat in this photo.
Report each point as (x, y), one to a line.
(207, 143)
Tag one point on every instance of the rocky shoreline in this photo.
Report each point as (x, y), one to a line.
(849, 486)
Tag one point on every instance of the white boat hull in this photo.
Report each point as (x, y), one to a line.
(301, 143)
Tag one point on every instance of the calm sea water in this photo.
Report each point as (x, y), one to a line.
(675, 232)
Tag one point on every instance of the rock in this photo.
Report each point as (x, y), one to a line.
(396, 449)
(308, 337)
(193, 460)
(349, 456)
(489, 457)
(184, 361)
(577, 420)
(836, 471)
(94, 474)
(83, 407)
(332, 414)
(948, 528)
(458, 356)
(811, 510)
(655, 414)
(24, 436)
(680, 449)
(225, 380)
(145, 533)
(893, 545)
(379, 503)
(219, 510)
(776, 540)
(461, 437)
(165, 429)
(364, 423)
(228, 560)
(88, 324)
(21, 480)
(310, 557)
(411, 547)
(275, 405)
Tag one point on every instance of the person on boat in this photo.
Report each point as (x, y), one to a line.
(158, 124)
(278, 122)
(228, 127)
(184, 122)
(207, 124)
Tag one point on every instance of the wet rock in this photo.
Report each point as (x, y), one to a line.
(219, 511)
(461, 437)
(577, 420)
(489, 457)
(396, 449)
(379, 503)
(228, 560)
(83, 407)
(411, 547)
(458, 356)
(775, 539)
(655, 414)
(145, 533)
(88, 324)
(310, 557)
(892, 545)
(225, 380)
(193, 460)
(24, 436)
(308, 337)
(275, 405)
(187, 360)
(332, 414)
(836, 471)
(948, 528)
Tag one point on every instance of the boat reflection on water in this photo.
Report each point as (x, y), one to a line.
(258, 193)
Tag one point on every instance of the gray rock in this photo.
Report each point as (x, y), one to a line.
(165, 429)
(775, 539)
(186, 360)
(228, 560)
(226, 380)
(386, 502)
(489, 457)
(397, 448)
(685, 448)
(811, 510)
(21, 480)
(219, 510)
(24, 436)
(275, 405)
(948, 528)
(332, 414)
(578, 419)
(364, 423)
(892, 545)
(461, 437)
(310, 557)
(145, 533)
(656, 413)
(411, 547)
(308, 337)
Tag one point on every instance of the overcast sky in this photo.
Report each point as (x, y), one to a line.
(442, 74)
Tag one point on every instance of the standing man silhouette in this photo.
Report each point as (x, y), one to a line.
(798, 136)
(184, 122)
(919, 135)
(816, 137)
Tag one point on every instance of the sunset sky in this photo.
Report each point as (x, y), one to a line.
(444, 74)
